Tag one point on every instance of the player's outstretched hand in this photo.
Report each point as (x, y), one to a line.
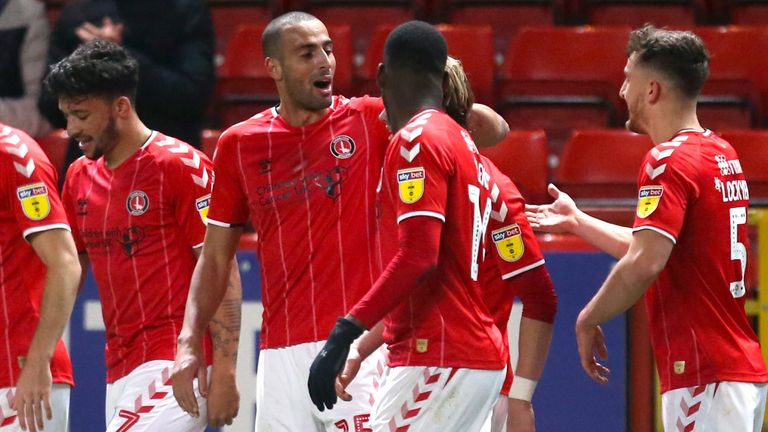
(328, 363)
(189, 364)
(32, 396)
(591, 342)
(223, 398)
(558, 217)
(351, 368)
(520, 416)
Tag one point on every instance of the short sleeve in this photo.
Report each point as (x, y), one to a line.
(229, 204)
(35, 203)
(417, 171)
(665, 189)
(512, 243)
(191, 178)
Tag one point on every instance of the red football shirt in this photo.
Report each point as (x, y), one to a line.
(139, 223)
(511, 249)
(29, 204)
(693, 191)
(310, 193)
(433, 169)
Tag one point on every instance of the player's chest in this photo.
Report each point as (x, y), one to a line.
(303, 172)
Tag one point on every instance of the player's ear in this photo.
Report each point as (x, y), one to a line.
(123, 106)
(653, 92)
(381, 79)
(274, 68)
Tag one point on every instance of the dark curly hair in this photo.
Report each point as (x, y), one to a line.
(680, 55)
(98, 68)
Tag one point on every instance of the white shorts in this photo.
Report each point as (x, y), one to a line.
(717, 407)
(433, 399)
(282, 397)
(496, 421)
(9, 422)
(143, 401)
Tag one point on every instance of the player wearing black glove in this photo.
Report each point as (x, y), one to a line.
(329, 362)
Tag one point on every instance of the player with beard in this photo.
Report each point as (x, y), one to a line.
(137, 202)
(687, 251)
(305, 173)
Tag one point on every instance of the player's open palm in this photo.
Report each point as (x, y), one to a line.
(32, 395)
(223, 398)
(189, 365)
(558, 217)
(520, 417)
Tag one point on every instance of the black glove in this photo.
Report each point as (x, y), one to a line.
(329, 362)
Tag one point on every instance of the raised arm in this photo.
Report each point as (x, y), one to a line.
(563, 216)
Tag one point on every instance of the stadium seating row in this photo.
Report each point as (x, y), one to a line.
(598, 166)
(554, 78)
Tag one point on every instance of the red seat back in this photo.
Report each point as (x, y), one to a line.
(602, 164)
(522, 156)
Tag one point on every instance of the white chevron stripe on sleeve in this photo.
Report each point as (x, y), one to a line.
(201, 181)
(654, 172)
(20, 151)
(659, 155)
(25, 170)
(500, 215)
(411, 154)
(193, 162)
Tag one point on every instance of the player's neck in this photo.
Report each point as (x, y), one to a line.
(129, 142)
(297, 116)
(670, 121)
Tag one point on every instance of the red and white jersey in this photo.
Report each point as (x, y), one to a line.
(29, 204)
(433, 169)
(692, 190)
(139, 223)
(511, 249)
(310, 193)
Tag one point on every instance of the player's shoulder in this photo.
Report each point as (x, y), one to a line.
(363, 104)
(20, 151)
(253, 127)
(167, 150)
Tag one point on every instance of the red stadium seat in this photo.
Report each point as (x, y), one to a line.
(473, 45)
(601, 165)
(748, 12)
(55, 145)
(522, 155)
(245, 86)
(208, 142)
(363, 16)
(635, 13)
(229, 16)
(737, 69)
(562, 78)
(506, 17)
(752, 147)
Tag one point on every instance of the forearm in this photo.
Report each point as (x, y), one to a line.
(624, 286)
(371, 340)
(207, 290)
(225, 324)
(533, 348)
(613, 239)
(61, 284)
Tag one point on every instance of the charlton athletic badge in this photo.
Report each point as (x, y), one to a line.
(137, 203)
(343, 147)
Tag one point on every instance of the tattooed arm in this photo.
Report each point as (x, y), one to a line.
(223, 396)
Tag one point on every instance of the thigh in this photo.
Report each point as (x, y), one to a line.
(738, 406)
(282, 399)
(143, 402)
(687, 408)
(435, 399)
(59, 421)
(354, 416)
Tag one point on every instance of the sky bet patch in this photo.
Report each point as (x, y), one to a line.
(34, 201)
